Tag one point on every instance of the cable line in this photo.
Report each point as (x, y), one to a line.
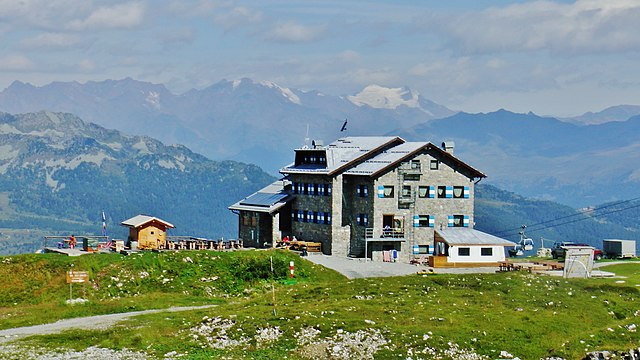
(511, 232)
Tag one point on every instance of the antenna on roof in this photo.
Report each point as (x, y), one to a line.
(344, 126)
(306, 138)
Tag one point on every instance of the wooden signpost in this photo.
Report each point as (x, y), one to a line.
(77, 277)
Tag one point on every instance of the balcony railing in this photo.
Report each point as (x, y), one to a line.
(393, 233)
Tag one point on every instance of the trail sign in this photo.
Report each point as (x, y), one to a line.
(77, 277)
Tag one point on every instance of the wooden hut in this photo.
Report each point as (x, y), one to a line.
(149, 232)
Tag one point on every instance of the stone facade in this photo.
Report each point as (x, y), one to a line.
(421, 177)
(362, 196)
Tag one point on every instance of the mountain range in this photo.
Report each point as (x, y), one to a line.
(580, 161)
(58, 173)
(255, 122)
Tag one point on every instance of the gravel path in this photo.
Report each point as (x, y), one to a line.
(359, 268)
(97, 322)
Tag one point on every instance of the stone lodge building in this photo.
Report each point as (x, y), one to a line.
(360, 196)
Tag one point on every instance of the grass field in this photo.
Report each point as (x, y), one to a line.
(322, 315)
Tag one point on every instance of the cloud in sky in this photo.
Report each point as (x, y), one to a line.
(463, 54)
(15, 62)
(124, 15)
(294, 32)
(586, 26)
(52, 40)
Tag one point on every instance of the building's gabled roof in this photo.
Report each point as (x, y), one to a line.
(139, 220)
(466, 236)
(392, 157)
(370, 156)
(344, 153)
(267, 200)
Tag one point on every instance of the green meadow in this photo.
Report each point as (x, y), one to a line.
(321, 315)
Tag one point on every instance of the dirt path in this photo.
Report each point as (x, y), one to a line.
(97, 322)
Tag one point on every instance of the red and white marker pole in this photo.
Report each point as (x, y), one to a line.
(291, 269)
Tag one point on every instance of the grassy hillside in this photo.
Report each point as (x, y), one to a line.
(323, 315)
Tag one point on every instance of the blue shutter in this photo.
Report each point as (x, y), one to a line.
(432, 221)
(358, 219)
(465, 221)
(366, 220)
(366, 191)
(329, 189)
(294, 186)
(432, 191)
(450, 221)
(466, 192)
(448, 192)
(416, 221)
(328, 218)
(381, 191)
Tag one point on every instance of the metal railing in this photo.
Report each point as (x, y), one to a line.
(393, 233)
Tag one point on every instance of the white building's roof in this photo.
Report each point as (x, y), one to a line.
(466, 236)
(343, 152)
(365, 155)
(269, 199)
(140, 220)
(386, 158)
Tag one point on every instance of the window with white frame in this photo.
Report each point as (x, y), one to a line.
(464, 251)
(486, 251)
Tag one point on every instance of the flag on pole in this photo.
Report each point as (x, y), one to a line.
(104, 224)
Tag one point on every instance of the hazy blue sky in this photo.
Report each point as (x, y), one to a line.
(550, 57)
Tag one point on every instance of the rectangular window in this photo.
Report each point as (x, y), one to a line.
(315, 189)
(486, 251)
(320, 218)
(425, 221)
(412, 177)
(300, 215)
(434, 165)
(445, 192)
(406, 190)
(385, 191)
(254, 220)
(362, 190)
(461, 192)
(423, 191)
(458, 221)
(361, 219)
(327, 190)
(423, 249)
(464, 251)
(309, 189)
(245, 219)
(327, 218)
(294, 186)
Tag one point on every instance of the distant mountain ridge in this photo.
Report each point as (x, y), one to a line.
(58, 173)
(613, 113)
(543, 157)
(262, 122)
(256, 122)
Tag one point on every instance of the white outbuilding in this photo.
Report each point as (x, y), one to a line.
(463, 247)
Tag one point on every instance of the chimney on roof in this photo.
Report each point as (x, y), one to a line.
(448, 146)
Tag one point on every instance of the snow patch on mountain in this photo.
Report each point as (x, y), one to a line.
(380, 97)
(153, 99)
(286, 92)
